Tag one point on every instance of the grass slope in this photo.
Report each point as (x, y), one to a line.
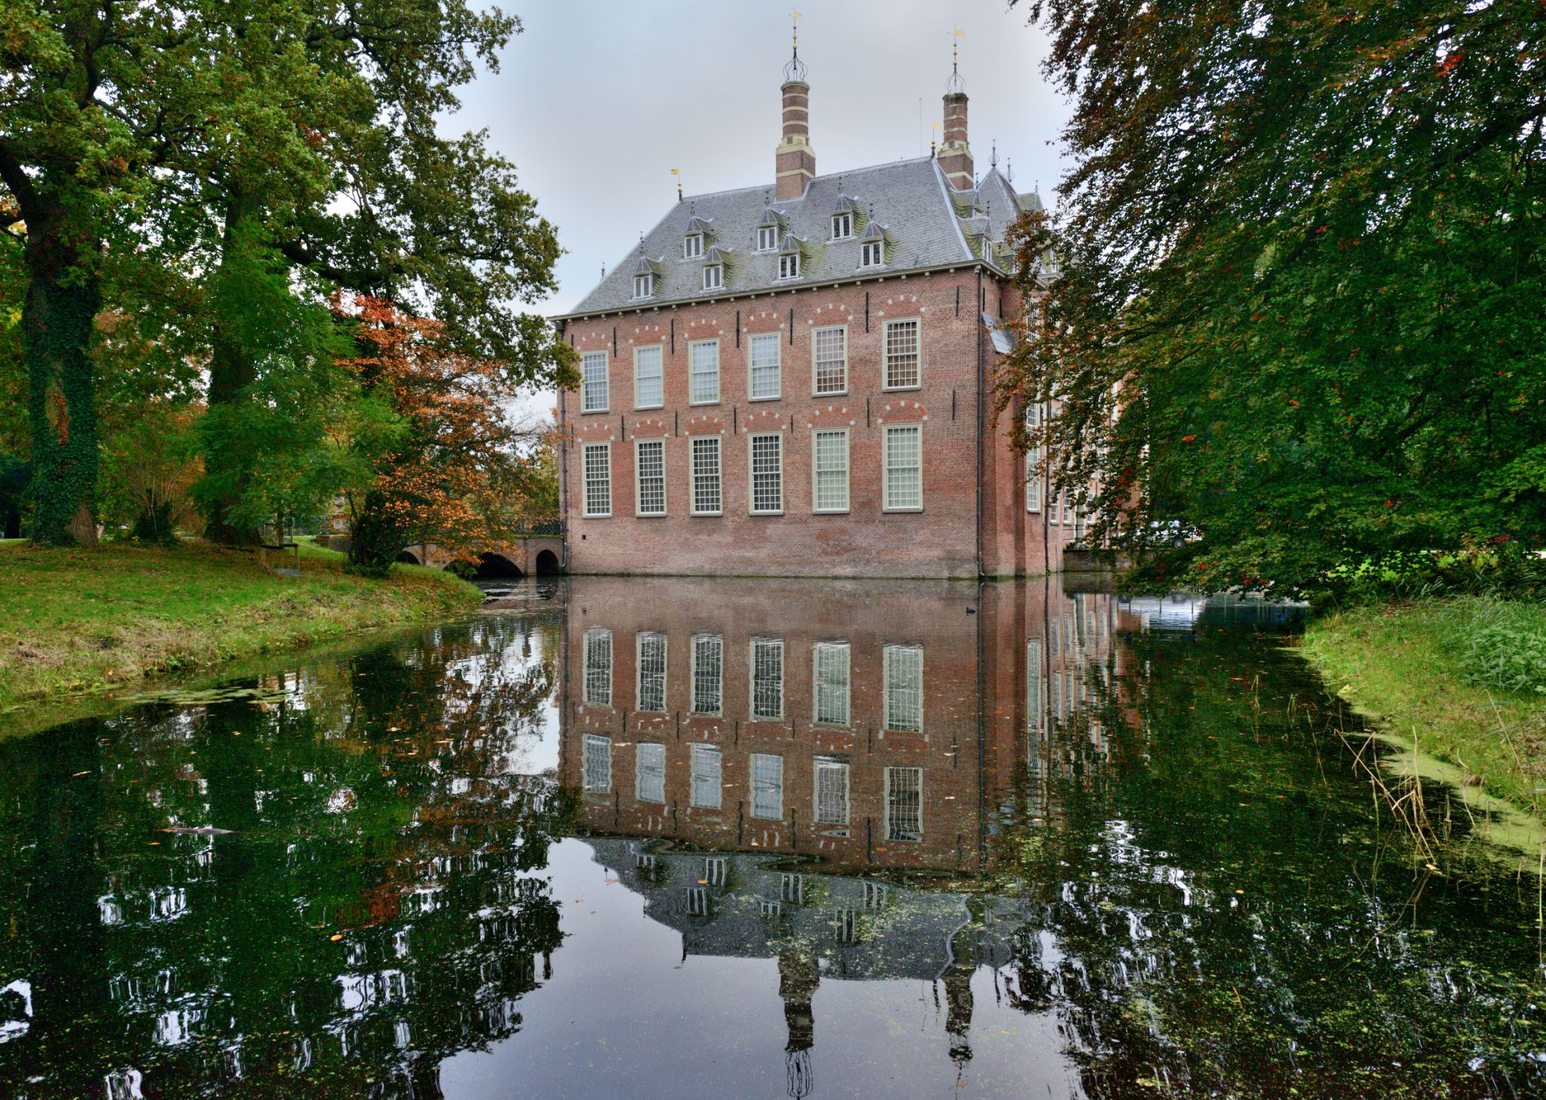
(81, 622)
(1421, 670)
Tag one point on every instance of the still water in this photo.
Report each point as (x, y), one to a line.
(710, 838)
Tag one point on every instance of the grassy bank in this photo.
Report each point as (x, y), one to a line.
(93, 622)
(1465, 678)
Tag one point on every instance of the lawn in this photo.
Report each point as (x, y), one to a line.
(90, 622)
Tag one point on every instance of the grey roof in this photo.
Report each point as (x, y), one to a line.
(924, 218)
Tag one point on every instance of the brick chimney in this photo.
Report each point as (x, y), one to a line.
(795, 160)
(954, 155)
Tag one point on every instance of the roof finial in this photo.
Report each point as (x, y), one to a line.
(993, 159)
(1009, 166)
(677, 172)
(955, 83)
(795, 69)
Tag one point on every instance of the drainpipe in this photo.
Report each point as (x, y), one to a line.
(979, 312)
(563, 473)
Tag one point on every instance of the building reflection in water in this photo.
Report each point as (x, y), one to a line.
(811, 771)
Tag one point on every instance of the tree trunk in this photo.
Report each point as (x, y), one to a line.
(376, 538)
(231, 371)
(60, 308)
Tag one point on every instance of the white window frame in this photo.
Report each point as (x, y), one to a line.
(597, 692)
(820, 716)
(831, 764)
(767, 238)
(755, 712)
(891, 830)
(892, 720)
(595, 741)
(885, 468)
(692, 246)
(751, 474)
(693, 373)
(638, 477)
(764, 340)
(816, 390)
(644, 285)
(1035, 481)
(885, 366)
(788, 265)
(659, 378)
(751, 778)
(713, 276)
(640, 639)
(702, 752)
(719, 700)
(1035, 703)
(593, 358)
(588, 509)
(657, 751)
(843, 226)
(816, 471)
(719, 474)
(873, 254)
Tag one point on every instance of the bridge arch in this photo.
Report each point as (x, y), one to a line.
(497, 565)
(546, 563)
(408, 557)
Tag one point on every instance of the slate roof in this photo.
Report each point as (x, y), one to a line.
(927, 224)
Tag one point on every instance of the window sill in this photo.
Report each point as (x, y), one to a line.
(830, 511)
(647, 408)
(777, 513)
(705, 515)
(833, 393)
(650, 515)
(596, 515)
(775, 397)
(901, 389)
(594, 412)
(902, 511)
(700, 404)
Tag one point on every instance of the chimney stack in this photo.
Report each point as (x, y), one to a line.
(794, 159)
(954, 155)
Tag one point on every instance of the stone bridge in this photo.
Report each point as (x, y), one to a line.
(523, 556)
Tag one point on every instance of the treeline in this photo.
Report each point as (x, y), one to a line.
(1298, 324)
(223, 230)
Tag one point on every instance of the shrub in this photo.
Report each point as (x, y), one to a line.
(1507, 649)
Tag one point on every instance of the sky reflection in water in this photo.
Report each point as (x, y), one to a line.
(700, 838)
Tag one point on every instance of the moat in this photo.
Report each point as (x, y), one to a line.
(692, 838)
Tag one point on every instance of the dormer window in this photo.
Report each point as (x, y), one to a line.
(873, 254)
(644, 286)
(714, 277)
(692, 246)
(767, 238)
(789, 265)
(842, 226)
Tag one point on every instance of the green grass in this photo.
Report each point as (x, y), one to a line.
(96, 622)
(1455, 675)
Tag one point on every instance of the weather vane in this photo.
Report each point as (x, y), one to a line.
(795, 70)
(955, 83)
(677, 172)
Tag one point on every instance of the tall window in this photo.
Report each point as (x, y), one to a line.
(1035, 482)
(767, 468)
(904, 468)
(902, 371)
(703, 372)
(767, 238)
(766, 372)
(644, 286)
(706, 500)
(904, 803)
(598, 479)
(651, 661)
(598, 763)
(829, 355)
(649, 778)
(767, 786)
(650, 473)
(842, 226)
(708, 674)
(648, 390)
(692, 246)
(904, 688)
(707, 768)
(1034, 718)
(831, 791)
(598, 667)
(872, 254)
(594, 389)
(829, 470)
(714, 277)
(832, 665)
(789, 265)
(767, 679)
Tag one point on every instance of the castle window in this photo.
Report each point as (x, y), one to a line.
(904, 468)
(1034, 714)
(767, 238)
(831, 794)
(1035, 483)
(767, 679)
(648, 392)
(829, 356)
(692, 246)
(706, 476)
(902, 371)
(703, 372)
(714, 277)
(593, 395)
(789, 265)
(873, 254)
(842, 226)
(766, 374)
(904, 803)
(904, 688)
(829, 470)
(644, 286)
(708, 668)
(650, 477)
(832, 664)
(598, 668)
(716, 870)
(767, 786)
(767, 471)
(707, 767)
(598, 479)
(649, 781)
(651, 660)
(598, 763)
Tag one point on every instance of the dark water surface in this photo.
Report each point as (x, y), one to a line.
(751, 838)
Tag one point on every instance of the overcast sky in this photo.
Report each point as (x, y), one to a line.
(597, 100)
